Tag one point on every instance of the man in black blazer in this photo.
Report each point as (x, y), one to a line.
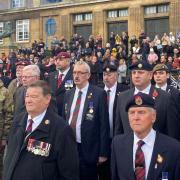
(62, 79)
(113, 89)
(85, 108)
(41, 146)
(144, 153)
(165, 107)
(161, 76)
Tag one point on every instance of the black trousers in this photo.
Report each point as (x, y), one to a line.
(87, 171)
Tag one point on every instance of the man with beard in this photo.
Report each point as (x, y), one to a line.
(61, 79)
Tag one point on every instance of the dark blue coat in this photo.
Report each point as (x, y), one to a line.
(94, 132)
(122, 158)
(62, 162)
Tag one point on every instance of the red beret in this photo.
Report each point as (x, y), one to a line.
(63, 55)
(23, 62)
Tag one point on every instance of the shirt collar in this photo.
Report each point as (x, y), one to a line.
(162, 87)
(65, 72)
(37, 117)
(149, 139)
(113, 88)
(146, 90)
(84, 89)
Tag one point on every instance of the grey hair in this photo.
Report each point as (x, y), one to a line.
(33, 68)
(81, 62)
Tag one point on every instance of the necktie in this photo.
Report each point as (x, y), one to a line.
(108, 96)
(60, 80)
(76, 111)
(29, 128)
(140, 162)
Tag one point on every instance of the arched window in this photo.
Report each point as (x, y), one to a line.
(50, 27)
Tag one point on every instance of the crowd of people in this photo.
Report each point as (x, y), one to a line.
(61, 111)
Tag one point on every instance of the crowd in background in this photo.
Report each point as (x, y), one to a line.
(121, 49)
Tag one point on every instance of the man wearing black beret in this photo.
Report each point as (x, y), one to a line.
(166, 120)
(113, 89)
(144, 153)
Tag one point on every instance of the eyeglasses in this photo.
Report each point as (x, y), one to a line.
(26, 77)
(79, 73)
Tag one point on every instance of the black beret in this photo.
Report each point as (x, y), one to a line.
(140, 100)
(141, 65)
(110, 67)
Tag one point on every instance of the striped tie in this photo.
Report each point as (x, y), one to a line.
(140, 162)
(76, 111)
(29, 127)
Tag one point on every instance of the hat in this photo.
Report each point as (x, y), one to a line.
(23, 62)
(140, 100)
(160, 67)
(63, 55)
(110, 67)
(141, 65)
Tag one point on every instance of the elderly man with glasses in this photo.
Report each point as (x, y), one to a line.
(86, 111)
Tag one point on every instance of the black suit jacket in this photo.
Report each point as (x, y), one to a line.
(95, 130)
(122, 158)
(58, 93)
(166, 113)
(120, 88)
(62, 162)
(175, 97)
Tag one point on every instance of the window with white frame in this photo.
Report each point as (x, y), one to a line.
(117, 13)
(1, 31)
(83, 17)
(17, 3)
(22, 30)
(112, 14)
(163, 8)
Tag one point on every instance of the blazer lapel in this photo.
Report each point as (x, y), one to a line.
(89, 95)
(42, 131)
(157, 160)
(128, 157)
(69, 103)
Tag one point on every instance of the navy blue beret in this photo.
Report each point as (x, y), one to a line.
(140, 100)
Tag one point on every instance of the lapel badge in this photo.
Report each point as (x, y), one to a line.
(47, 121)
(140, 66)
(91, 107)
(138, 100)
(159, 159)
(155, 94)
(90, 95)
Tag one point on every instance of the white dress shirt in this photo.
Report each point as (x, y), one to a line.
(79, 118)
(36, 120)
(64, 73)
(145, 91)
(147, 148)
(162, 87)
(111, 105)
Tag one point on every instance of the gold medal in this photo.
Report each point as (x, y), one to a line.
(36, 151)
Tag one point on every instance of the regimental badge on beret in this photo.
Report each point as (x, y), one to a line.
(107, 69)
(139, 65)
(138, 100)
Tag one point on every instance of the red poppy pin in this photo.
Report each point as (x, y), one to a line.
(155, 94)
